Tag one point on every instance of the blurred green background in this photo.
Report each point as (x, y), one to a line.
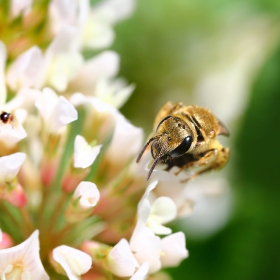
(224, 55)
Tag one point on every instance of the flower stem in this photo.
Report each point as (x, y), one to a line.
(11, 218)
(56, 213)
(27, 219)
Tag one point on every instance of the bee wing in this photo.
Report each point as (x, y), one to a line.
(222, 129)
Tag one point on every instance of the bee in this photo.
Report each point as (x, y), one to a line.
(6, 117)
(185, 136)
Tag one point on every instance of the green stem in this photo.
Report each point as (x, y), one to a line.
(12, 219)
(42, 208)
(57, 211)
(26, 219)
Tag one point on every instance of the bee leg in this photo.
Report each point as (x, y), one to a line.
(196, 174)
(218, 163)
(207, 157)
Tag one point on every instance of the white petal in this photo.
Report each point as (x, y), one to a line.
(126, 141)
(84, 154)
(163, 210)
(13, 132)
(10, 165)
(24, 256)
(102, 66)
(101, 110)
(64, 42)
(63, 113)
(121, 261)
(20, 6)
(115, 10)
(67, 13)
(25, 99)
(142, 272)
(146, 247)
(56, 112)
(122, 95)
(143, 209)
(174, 249)
(88, 193)
(24, 71)
(73, 261)
(45, 103)
(64, 68)
(157, 228)
(97, 34)
(62, 55)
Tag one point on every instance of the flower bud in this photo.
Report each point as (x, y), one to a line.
(5, 240)
(84, 199)
(15, 195)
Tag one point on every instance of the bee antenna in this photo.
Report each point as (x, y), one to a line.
(156, 161)
(145, 147)
(152, 168)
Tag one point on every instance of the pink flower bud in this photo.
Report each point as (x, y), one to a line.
(5, 240)
(16, 196)
(48, 171)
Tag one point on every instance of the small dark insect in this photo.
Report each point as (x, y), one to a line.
(6, 117)
(185, 136)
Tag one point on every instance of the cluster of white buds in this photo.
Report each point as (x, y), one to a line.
(69, 183)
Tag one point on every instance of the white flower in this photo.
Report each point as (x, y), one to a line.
(213, 206)
(84, 154)
(146, 247)
(88, 195)
(94, 24)
(101, 115)
(13, 132)
(142, 272)
(23, 261)
(116, 10)
(163, 210)
(97, 30)
(144, 209)
(73, 261)
(121, 261)
(24, 99)
(126, 141)
(113, 92)
(67, 13)
(55, 111)
(175, 190)
(10, 165)
(174, 249)
(24, 72)
(20, 6)
(103, 66)
(62, 61)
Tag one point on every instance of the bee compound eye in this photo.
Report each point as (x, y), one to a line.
(183, 147)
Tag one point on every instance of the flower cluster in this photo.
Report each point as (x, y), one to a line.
(69, 184)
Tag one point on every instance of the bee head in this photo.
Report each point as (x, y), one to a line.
(173, 139)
